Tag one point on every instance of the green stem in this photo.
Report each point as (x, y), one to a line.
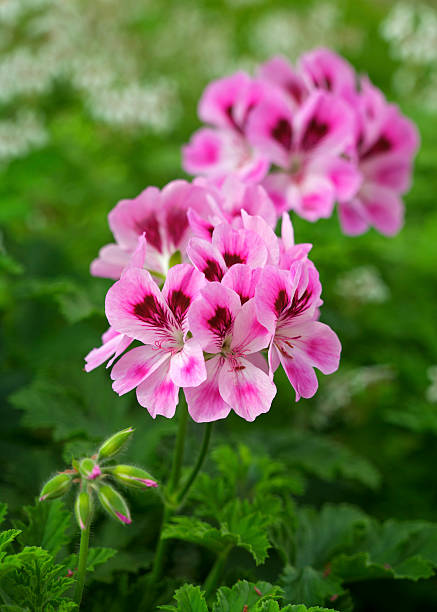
(198, 465)
(81, 570)
(213, 578)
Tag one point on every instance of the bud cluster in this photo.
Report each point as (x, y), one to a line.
(92, 475)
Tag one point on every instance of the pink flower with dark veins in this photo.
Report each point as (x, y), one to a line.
(232, 336)
(217, 151)
(287, 304)
(169, 359)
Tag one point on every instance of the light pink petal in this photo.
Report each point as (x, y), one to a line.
(384, 209)
(238, 196)
(325, 125)
(392, 170)
(182, 286)
(111, 262)
(205, 403)
(211, 318)
(239, 246)
(136, 366)
(345, 176)
(280, 72)
(353, 217)
(138, 257)
(223, 102)
(273, 293)
(207, 259)
(187, 367)
(273, 359)
(313, 198)
(246, 388)
(200, 226)
(300, 374)
(131, 218)
(398, 135)
(270, 128)
(123, 343)
(325, 69)
(277, 184)
(287, 231)
(249, 336)
(320, 345)
(113, 345)
(158, 393)
(257, 224)
(135, 307)
(259, 360)
(243, 280)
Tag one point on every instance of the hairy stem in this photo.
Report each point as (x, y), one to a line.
(81, 570)
(198, 464)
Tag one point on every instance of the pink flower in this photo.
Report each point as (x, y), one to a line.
(226, 104)
(386, 144)
(324, 69)
(162, 216)
(281, 73)
(307, 144)
(233, 336)
(114, 344)
(168, 360)
(287, 305)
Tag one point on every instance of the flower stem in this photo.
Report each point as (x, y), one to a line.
(81, 570)
(200, 459)
(215, 574)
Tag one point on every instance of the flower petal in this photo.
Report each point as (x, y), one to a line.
(207, 259)
(187, 367)
(113, 345)
(158, 393)
(239, 246)
(205, 403)
(136, 366)
(182, 286)
(249, 336)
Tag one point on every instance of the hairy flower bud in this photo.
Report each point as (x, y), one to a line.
(132, 476)
(83, 509)
(114, 503)
(114, 444)
(89, 469)
(56, 487)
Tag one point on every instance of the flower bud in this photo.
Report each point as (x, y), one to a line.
(83, 508)
(56, 487)
(114, 444)
(114, 503)
(89, 469)
(132, 476)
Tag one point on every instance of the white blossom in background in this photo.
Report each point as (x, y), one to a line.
(19, 137)
(431, 392)
(410, 28)
(363, 284)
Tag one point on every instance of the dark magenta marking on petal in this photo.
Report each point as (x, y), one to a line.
(295, 91)
(283, 133)
(178, 303)
(212, 270)
(229, 112)
(151, 312)
(233, 258)
(177, 223)
(313, 134)
(221, 322)
(287, 310)
(150, 225)
(281, 302)
(382, 145)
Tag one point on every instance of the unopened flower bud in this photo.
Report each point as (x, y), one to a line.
(89, 469)
(114, 444)
(114, 503)
(83, 508)
(56, 487)
(132, 476)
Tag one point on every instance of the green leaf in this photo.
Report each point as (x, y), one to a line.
(189, 598)
(48, 525)
(96, 556)
(6, 537)
(309, 585)
(3, 511)
(243, 594)
(302, 608)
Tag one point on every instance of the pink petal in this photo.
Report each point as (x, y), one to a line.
(182, 286)
(187, 367)
(113, 345)
(257, 224)
(136, 366)
(384, 209)
(246, 388)
(239, 246)
(325, 69)
(249, 336)
(277, 184)
(392, 170)
(134, 306)
(207, 258)
(313, 198)
(273, 293)
(353, 217)
(243, 280)
(345, 177)
(211, 318)
(300, 374)
(205, 403)
(158, 393)
(280, 72)
(320, 345)
(111, 262)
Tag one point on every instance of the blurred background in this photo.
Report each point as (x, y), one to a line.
(96, 99)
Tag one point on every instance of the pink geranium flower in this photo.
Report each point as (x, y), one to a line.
(162, 216)
(226, 105)
(232, 336)
(287, 304)
(169, 359)
(307, 144)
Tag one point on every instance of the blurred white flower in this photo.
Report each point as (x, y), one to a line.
(19, 137)
(431, 392)
(363, 284)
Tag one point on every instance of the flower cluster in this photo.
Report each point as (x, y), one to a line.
(312, 135)
(92, 475)
(215, 298)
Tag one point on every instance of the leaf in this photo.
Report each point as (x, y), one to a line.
(189, 598)
(6, 537)
(309, 585)
(3, 511)
(302, 608)
(96, 556)
(244, 595)
(196, 531)
(48, 525)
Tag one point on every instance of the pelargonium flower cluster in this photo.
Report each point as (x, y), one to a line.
(239, 302)
(313, 135)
